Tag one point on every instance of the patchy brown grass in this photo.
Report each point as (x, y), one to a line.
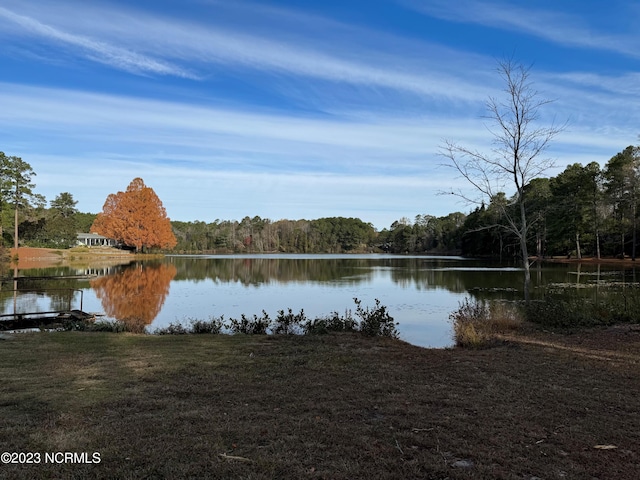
(335, 406)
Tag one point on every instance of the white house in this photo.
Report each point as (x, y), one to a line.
(95, 240)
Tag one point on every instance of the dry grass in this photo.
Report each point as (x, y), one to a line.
(505, 317)
(334, 406)
(478, 324)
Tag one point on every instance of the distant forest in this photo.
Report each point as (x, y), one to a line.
(583, 211)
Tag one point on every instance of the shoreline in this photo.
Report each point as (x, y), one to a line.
(589, 260)
(36, 257)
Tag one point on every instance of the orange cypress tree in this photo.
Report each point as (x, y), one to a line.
(136, 218)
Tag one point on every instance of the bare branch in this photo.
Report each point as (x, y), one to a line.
(517, 154)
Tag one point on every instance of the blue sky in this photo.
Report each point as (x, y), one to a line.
(299, 109)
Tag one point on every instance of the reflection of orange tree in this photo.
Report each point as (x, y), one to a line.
(135, 295)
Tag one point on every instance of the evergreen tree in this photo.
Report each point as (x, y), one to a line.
(62, 225)
(17, 188)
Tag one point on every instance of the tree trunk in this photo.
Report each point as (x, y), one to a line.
(527, 271)
(633, 245)
(539, 245)
(15, 230)
(578, 252)
(15, 289)
(524, 251)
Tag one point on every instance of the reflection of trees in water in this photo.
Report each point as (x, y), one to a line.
(38, 284)
(256, 271)
(137, 291)
(420, 272)
(458, 279)
(136, 294)
(481, 278)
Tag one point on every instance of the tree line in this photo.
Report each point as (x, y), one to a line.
(260, 235)
(585, 210)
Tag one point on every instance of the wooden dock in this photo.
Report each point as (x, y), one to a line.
(21, 321)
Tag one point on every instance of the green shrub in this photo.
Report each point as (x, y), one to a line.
(257, 326)
(332, 323)
(563, 309)
(317, 326)
(109, 326)
(287, 323)
(113, 326)
(75, 325)
(377, 321)
(372, 322)
(336, 323)
(213, 326)
(620, 306)
(172, 329)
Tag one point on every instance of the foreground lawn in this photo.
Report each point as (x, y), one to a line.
(335, 407)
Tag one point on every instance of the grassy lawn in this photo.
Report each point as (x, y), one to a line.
(334, 406)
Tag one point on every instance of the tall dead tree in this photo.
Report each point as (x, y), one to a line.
(517, 156)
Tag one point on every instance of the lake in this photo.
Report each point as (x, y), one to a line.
(419, 291)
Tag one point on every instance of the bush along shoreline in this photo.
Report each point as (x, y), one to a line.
(477, 323)
(369, 321)
(481, 323)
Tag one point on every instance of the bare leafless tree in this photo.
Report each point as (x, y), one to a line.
(517, 156)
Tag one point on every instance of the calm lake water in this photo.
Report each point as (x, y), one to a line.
(419, 291)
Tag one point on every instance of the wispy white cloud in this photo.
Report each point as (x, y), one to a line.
(143, 43)
(552, 25)
(199, 156)
(236, 136)
(351, 126)
(144, 121)
(209, 193)
(100, 51)
(625, 86)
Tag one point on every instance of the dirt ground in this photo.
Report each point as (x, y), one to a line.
(30, 257)
(538, 405)
(36, 257)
